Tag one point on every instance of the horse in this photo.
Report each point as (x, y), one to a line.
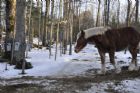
(108, 40)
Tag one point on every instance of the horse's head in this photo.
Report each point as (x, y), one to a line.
(81, 41)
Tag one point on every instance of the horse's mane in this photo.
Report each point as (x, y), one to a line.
(95, 31)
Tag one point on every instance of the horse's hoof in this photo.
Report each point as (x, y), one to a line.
(136, 68)
(101, 72)
(131, 67)
(118, 70)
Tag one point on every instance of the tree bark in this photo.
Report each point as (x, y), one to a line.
(118, 14)
(105, 12)
(44, 43)
(0, 20)
(30, 27)
(137, 11)
(20, 45)
(108, 12)
(128, 13)
(65, 35)
(39, 22)
(52, 26)
(98, 13)
(71, 9)
(10, 26)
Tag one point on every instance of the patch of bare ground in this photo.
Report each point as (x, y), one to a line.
(96, 78)
(67, 84)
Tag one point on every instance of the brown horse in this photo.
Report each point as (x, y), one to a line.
(109, 40)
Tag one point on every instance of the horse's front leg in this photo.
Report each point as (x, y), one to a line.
(112, 60)
(102, 55)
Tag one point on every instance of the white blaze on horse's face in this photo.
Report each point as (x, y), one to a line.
(80, 42)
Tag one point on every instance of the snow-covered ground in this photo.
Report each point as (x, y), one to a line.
(126, 86)
(73, 65)
(64, 66)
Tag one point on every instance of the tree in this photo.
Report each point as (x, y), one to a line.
(137, 11)
(10, 26)
(29, 23)
(98, 13)
(20, 45)
(65, 35)
(52, 26)
(39, 21)
(118, 13)
(71, 9)
(106, 12)
(0, 18)
(128, 13)
(44, 43)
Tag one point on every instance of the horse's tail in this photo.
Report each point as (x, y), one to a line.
(138, 47)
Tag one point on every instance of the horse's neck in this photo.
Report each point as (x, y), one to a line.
(91, 40)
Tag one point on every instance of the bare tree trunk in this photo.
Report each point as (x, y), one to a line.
(44, 43)
(39, 21)
(20, 45)
(118, 14)
(1, 28)
(52, 26)
(105, 12)
(98, 13)
(128, 13)
(50, 41)
(10, 25)
(137, 11)
(0, 20)
(108, 11)
(30, 26)
(57, 39)
(65, 35)
(79, 19)
(71, 8)
(29, 33)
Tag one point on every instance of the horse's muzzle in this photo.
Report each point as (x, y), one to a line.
(76, 50)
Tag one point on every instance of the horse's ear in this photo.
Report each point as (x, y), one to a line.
(82, 32)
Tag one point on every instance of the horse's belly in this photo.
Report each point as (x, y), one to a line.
(121, 47)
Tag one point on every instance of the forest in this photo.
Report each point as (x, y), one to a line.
(37, 39)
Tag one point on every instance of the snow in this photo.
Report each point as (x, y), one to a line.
(69, 66)
(37, 41)
(65, 66)
(126, 86)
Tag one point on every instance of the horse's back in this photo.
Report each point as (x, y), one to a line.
(123, 37)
